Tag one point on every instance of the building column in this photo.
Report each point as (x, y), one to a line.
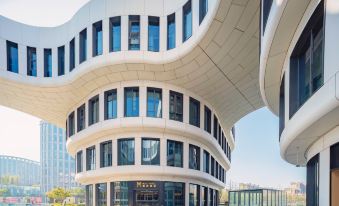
(108, 194)
(187, 192)
(324, 177)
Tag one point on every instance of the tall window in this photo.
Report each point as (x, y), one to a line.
(82, 46)
(266, 8)
(61, 60)
(79, 161)
(90, 158)
(282, 106)
(176, 106)
(131, 102)
(93, 106)
(81, 117)
(194, 196)
(216, 174)
(307, 62)
(89, 195)
(71, 54)
(47, 62)
(115, 34)
(119, 193)
(215, 127)
(154, 102)
(97, 38)
(126, 152)
(174, 193)
(312, 186)
(187, 21)
(206, 161)
(111, 104)
(31, 61)
(101, 194)
(194, 112)
(203, 9)
(153, 33)
(12, 57)
(204, 196)
(150, 152)
(212, 166)
(207, 120)
(194, 157)
(106, 154)
(171, 31)
(134, 32)
(71, 124)
(174, 153)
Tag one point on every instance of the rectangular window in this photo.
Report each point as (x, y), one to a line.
(153, 33)
(203, 9)
(12, 57)
(212, 166)
(131, 102)
(215, 127)
(101, 194)
(174, 193)
(126, 152)
(93, 107)
(89, 195)
(47, 62)
(211, 199)
(71, 123)
(204, 196)
(111, 109)
(115, 34)
(216, 174)
(79, 161)
(171, 31)
(31, 62)
(71, 54)
(312, 185)
(206, 160)
(134, 32)
(194, 196)
(150, 152)
(81, 117)
(194, 157)
(194, 114)
(154, 102)
(174, 153)
(82, 46)
(176, 106)
(61, 60)
(187, 21)
(219, 134)
(97, 38)
(106, 154)
(282, 106)
(207, 120)
(90, 158)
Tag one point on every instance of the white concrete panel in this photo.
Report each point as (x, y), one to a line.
(40, 62)
(22, 52)
(54, 61)
(124, 33)
(143, 33)
(3, 57)
(324, 177)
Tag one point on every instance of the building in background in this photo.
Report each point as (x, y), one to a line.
(296, 188)
(257, 197)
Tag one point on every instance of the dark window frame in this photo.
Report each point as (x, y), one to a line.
(12, 62)
(48, 63)
(103, 163)
(61, 60)
(120, 163)
(181, 145)
(31, 62)
(154, 90)
(194, 119)
(96, 29)
(83, 46)
(158, 154)
(106, 104)
(114, 22)
(81, 119)
(72, 54)
(93, 117)
(194, 164)
(134, 101)
(89, 164)
(178, 112)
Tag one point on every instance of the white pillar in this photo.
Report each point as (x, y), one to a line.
(40, 61)
(54, 62)
(3, 57)
(76, 49)
(187, 192)
(97, 155)
(163, 33)
(108, 194)
(101, 107)
(186, 154)
(186, 109)
(165, 103)
(22, 59)
(143, 33)
(115, 152)
(324, 177)
(120, 102)
(178, 27)
(202, 116)
(124, 33)
(163, 151)
(89, 42)
(143, 101)
(195, 16)
(67, 57)
(137, 147)
(105, 36)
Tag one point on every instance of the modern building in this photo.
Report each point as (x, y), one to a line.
(257, 197)
(148, 92)
(299, 82)
(296, 188)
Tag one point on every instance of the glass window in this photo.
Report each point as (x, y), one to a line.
(176, 106)
(153, 33)
(131, 102)
(194, 157)
(194, 112)
(106, 154)
(71, 54)
(119, 193)
(154, 102)
(174, 153)
(93, 106)
(266, 4)
(174, 193)
(150, 152)
(97, 38)
(211, 199)
(171, 31)
(207, 120)
(282, 106)
(61, 60)
(31, 62)
(12, 57)
(79, 161)
(126, 152)
(90, 158)
(216, 174)
(115, 34)
(187, 21)
(206, 161)
(215, 127)
(312, 185)
(111, 104)
(134, 33)
(194, 195)
(47, 62)
(81, 117)
(212, 166)
(101, 194)
(203, 9)
(71, 123)
(89, 195)
(82, 46)
(204, 196)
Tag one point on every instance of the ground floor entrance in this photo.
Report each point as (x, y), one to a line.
(335, 187)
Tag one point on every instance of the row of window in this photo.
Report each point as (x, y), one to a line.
(114, 40)
(154, 109)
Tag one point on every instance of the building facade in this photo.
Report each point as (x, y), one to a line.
(257, 197)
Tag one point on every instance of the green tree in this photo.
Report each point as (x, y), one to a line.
(3, 192)
(58, 194)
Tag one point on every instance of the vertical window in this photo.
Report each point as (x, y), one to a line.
(203, 9)
(61, 60)
(89, 195)
(215, 127)
(131, 102)
(212, 166)
(111, 104)
(216, 174)
(97, 38)
(82, 46)
(194, 196)
(115, 34)
(174, 153)
(171, 31)
(93, 106)
(12, 57)
(126, 152)
(204, 196)
(101, 194)
(154, 102)
(194, 157)
(90, 158)
(282, 106)
(176, 106)
(79, 161)
(207, 120)
(187, 21)
(174, 193)
(266, 4)
(194, 112)
(150, 152)
(81, 117)
(47, 62)
(31, 62)
(211, 199)
(206, 161)
(71, 54)
(71, 123)
(134, 33)
(334, 166)
(312, 185)
(119, 193)
(153, 33)
(106, 154)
